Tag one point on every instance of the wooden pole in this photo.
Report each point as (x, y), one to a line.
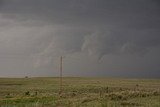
(61, 74)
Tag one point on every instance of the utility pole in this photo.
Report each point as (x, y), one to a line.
(61, 62)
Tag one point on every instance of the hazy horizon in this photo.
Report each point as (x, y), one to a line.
(110, 38)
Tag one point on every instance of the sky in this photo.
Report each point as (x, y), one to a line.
(109, 38)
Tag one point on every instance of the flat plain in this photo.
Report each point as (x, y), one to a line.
(79, 92)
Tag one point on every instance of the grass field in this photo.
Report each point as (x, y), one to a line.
(79, 92)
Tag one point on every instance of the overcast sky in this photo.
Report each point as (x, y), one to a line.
(113, 38)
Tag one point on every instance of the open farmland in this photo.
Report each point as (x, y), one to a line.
(79, 92)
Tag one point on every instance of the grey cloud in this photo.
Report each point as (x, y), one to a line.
(40, 31)
(54, 40)
(112, 42)
(105, 12)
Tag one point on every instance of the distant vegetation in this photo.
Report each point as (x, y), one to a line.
(79, 92)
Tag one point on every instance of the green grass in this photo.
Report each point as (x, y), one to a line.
(79, 92)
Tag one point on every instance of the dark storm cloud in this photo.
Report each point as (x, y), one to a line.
(40, 30)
